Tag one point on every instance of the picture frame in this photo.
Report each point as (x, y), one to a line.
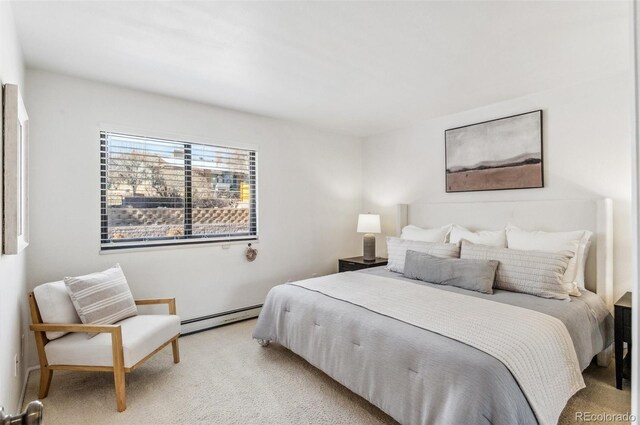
(499, 154)
(15, 171)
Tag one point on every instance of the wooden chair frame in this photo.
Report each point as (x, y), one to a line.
(46, 370)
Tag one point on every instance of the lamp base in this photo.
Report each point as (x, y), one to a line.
(369, 247)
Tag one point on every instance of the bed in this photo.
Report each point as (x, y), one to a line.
(351, 327)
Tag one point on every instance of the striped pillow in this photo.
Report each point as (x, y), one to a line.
(397, 251)
(101, 298)
(531, 272)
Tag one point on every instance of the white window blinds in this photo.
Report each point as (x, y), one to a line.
(164, 192)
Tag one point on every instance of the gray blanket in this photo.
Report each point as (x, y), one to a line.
(417, 376)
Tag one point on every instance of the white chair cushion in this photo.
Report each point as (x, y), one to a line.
(55, 306)
(141, 335)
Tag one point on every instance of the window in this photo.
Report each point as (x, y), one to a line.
(165, 192)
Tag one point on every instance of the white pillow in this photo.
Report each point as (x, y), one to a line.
(584, 255)
(481, 237)
(397, 251)
(55, 306)
(575, 242)
(415, 233)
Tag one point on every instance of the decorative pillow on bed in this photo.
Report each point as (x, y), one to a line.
(531, 272)
(577, 242)
(101, 298)
(397, 251)
(415, 233)
(474, 275)
(482, 237)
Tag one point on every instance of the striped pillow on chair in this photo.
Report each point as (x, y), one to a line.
(101, 298)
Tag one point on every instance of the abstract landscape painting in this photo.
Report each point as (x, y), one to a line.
(500, 154)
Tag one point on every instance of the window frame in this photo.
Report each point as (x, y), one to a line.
(188, 239)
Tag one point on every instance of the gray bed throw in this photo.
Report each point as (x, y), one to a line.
(535, 347)
(415, 375)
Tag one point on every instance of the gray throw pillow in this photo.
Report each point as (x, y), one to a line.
(538, 273)
(474, 275)
(101, 298)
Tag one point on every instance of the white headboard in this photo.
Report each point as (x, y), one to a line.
(552, 216)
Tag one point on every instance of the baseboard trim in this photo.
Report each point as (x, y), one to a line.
(199, 324)
(24, 387)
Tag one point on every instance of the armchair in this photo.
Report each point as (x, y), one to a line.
(119, 348)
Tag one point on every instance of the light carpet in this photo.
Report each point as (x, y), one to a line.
(225, 377)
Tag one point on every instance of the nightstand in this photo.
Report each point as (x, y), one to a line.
(358, 263)
(622, 317)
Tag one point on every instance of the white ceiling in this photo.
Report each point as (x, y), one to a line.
(357, 68)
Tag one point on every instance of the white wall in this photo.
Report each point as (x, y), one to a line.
(13, 308)
(586, 155)
(309, 185)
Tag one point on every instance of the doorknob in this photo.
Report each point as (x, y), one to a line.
(32, 415)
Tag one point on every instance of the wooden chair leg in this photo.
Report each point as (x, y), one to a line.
(121, 395)
(118, 370)
(176, 351)
(45, 381)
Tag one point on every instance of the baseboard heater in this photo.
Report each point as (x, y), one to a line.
(211, 321)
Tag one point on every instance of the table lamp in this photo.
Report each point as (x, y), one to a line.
(369, 224)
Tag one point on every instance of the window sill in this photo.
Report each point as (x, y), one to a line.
(174, 246)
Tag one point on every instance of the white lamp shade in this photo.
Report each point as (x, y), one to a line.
(368, 223)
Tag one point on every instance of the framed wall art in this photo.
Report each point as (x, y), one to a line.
(16, 171)
(504, 153)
